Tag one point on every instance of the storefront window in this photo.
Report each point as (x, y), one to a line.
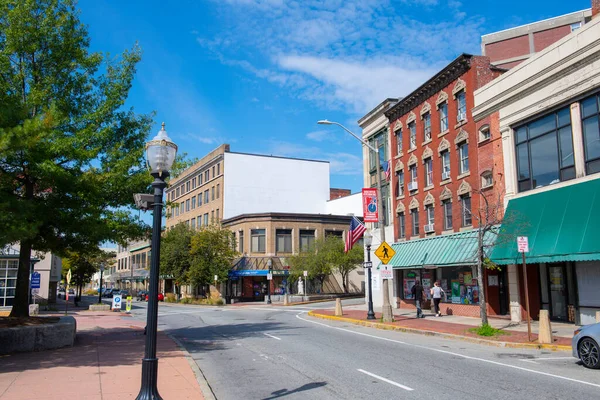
(460, 285)
(410, 276)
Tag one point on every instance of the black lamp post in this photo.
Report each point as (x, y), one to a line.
(100, 287)
(160, 155)
(270, 265)
(368, 238)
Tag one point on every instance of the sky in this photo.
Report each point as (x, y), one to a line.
(259, 74)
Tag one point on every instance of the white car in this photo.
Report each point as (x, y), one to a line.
(585, 345)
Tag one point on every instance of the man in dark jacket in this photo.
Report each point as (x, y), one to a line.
(417, 292)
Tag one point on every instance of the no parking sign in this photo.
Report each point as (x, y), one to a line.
(116, 304)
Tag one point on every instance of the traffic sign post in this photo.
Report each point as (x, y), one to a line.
(386, 272)
(523, 247)
(385, 253)
(67, 291)
(116, 302)
(269, 276)
(368, 264)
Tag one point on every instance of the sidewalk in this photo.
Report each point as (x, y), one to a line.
(453, 326)
(104, 363)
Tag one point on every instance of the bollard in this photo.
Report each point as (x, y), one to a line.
(286, 300)
(597, 316)
(338, 307)
(545, 333)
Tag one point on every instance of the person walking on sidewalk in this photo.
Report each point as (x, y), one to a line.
(437, 292)
(417, 291)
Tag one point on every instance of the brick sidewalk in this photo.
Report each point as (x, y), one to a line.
(104, 363)
(431, 324)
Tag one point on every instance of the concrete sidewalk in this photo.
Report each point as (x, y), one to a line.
(453, 326)
(104, 363)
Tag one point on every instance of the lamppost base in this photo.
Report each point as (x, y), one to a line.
(269, 301)
(149, 391)
(371, 315)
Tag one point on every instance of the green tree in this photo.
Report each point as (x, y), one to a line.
(175, 257)
(84, 265)
(340, 261)
(213, 252)
(316, 261)
(71, 155)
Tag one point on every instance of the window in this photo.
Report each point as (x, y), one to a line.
(181, 205)
(206, 175)
(241, 241)
(199, 199)
(466, 210)
(193, 202)
(428, 172)
(575, 26)
(218, 169)
(443, 117)
(447, 205)
(212, 216)
(193, 183)
(590, 116)
(257, 240)
(484, 133)
(213, 171)
(193, 223)
(461, 110)
(177, 210)
(486, 179)
(413, 173)
(430, 214)
(199, 179)
(337, 234)
(187, 186)
(378, 142)
(415, 221)
(218, 190)
(544, 150)
(218, 215)
(463, 155)
(401, 226)
(400, 186)
(427, 126)
(187, 205)
(307, 239)
(205, 217)
(283, 243)
(177, 192)
(399, 141)
(212, 193)
(206, 196)
(413, 135)
(445, 157)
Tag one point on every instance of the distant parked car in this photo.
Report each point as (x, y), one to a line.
(71, 291)
(110, 292)
(124, 293)
(141, 296)
(585, 345)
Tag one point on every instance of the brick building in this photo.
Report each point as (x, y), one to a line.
(443, 163)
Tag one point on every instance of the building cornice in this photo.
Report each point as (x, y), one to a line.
(287, 217)
(438, 82)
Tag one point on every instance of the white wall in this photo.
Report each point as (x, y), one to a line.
(345, 205)
(256, 184)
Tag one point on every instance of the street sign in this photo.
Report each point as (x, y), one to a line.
(69, 277)
(368, 264)
(385, 253)
(523, 244)
(128, 304)
(370, 205)
(269, 277)
(305, 273)
(386, 272)
(35, 280)
(116, 303)
(216, 278)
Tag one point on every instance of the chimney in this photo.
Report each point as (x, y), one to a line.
(595, 8)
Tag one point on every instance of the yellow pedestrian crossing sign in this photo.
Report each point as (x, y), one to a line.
(385, 252)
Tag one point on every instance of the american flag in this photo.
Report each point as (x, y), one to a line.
(354, 233)
(388, 170)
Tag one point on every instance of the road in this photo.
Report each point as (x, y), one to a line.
(261, 352)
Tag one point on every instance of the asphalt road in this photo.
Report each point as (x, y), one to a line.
(260, 352)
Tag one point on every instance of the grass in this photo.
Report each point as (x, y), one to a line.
(212, 302)
(487, 330)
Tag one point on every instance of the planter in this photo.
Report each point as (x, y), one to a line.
(38, 337)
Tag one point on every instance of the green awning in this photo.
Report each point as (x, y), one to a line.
(438, 251)
(561, 225)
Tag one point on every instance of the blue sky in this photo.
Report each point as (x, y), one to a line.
(258, 74)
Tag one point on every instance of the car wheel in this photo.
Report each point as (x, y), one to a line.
(589, 353)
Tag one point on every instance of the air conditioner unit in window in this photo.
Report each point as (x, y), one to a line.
(412, 186)
(429, 228)
(445, 175)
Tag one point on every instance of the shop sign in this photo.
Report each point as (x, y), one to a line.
(370, 205)
(523, 244)
(386, 272)
(269, 277)
(493, 280)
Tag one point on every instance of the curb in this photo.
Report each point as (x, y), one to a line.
(299, 303)
(207, 391)
(379, 325)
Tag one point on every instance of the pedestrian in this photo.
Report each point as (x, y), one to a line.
(437, 292)
(417, 291)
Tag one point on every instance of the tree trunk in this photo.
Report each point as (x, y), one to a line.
(21, 303)
(345, 282)
(480, 280)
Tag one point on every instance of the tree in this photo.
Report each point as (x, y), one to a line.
(175, 257)
(84, 265)
(315, 260)
(71, 156)
(342, 262)
(212, 254)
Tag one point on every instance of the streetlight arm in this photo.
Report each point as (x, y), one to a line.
(326, 122)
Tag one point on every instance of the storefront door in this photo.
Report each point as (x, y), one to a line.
(558, 292)
(503, 291)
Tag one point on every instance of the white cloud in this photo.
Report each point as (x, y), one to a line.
(319, 136)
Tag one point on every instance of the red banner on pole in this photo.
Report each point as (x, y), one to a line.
(370, 205)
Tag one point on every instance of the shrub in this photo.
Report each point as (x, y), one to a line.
(186, 300)
(91, 292)
(171, 298)
(487, 330)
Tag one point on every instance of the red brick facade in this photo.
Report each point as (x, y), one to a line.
(509, 48)
(337, 193)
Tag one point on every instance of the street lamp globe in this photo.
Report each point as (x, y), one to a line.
(368, 239)
(160, 153)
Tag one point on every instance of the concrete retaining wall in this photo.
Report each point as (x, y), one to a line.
(39, 337)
